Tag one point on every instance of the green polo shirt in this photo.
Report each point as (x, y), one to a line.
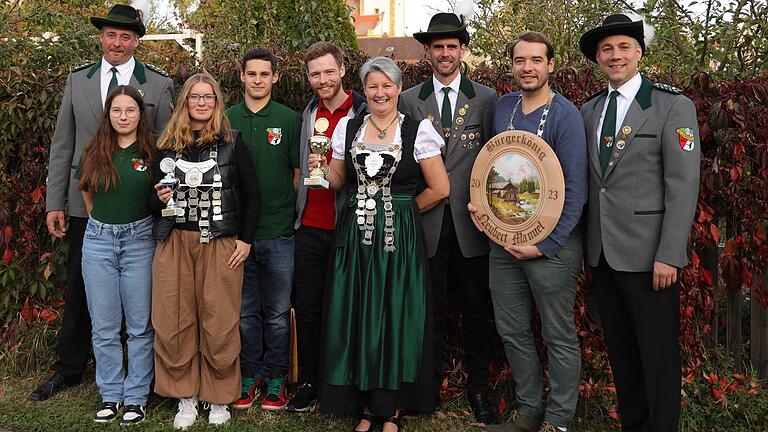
(128, 200)
(272, 136)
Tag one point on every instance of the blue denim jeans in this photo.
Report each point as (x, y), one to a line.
(265, 308)
(117, 271)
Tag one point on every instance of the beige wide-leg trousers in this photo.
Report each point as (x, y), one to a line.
(196, 314)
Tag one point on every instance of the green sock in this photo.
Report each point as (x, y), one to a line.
(248, 382)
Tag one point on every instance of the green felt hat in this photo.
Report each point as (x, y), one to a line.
(617, 24)
(444, 25)
(121, 16)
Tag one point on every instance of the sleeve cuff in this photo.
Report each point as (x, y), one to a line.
(548, 247)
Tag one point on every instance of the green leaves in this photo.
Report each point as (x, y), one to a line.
(727, 39)
(285, 26)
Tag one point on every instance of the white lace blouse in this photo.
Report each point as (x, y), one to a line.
(428, 140)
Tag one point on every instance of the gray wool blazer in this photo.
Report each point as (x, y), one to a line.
(79, 116)
(470, 131)
(641, 209)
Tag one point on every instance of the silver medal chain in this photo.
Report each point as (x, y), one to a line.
(542, 120)
(367, 190)
(201, 201)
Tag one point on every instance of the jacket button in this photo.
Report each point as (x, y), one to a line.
(602, 189)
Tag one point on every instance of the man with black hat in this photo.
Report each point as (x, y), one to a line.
(643, 147)
(462, 111)
(79, 117)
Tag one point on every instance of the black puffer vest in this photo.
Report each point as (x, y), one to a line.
(230, 189)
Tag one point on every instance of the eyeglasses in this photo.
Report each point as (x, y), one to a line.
(195, 98)
(118, 112)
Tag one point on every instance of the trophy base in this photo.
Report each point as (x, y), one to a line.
(316, 183)
(172, 212)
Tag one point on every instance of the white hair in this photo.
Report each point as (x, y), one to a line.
(384, 65)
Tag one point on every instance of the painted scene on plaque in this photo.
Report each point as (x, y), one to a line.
(513, 189)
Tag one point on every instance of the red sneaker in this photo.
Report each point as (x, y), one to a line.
(252, 388)
(275, 399)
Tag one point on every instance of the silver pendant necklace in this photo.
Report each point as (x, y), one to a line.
(383, 132)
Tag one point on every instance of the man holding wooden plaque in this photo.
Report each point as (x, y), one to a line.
(543, 272)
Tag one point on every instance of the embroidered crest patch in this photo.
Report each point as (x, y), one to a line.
(686, 138)
(274, 135)
(138, 164)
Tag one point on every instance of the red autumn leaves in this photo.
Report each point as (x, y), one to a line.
(30, 313)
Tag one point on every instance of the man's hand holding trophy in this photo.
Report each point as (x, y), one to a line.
(318, 144)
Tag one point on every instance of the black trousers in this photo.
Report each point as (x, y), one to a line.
(641, 328)
(75, 333)
(469, 278)
(311, 260)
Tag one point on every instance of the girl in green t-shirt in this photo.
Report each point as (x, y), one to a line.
(118, 249)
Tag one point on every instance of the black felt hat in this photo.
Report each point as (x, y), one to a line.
(617, 24)
(121, 16)
(444, 25)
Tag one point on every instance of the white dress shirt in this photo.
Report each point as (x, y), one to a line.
(124, 72)
(626, 95)
(453, 95)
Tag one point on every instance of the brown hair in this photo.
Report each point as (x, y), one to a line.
(98, 172)
(533, 37)
(265, 54)
(319, 49)
(178, 134)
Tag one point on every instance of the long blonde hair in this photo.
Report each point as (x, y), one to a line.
(178, 134)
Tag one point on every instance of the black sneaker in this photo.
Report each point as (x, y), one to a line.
(132, 414)
(107, 412)
(303, 400)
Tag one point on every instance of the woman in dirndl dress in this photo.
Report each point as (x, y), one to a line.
(378, 357)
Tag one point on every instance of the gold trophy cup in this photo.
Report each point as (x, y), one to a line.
(319, 145)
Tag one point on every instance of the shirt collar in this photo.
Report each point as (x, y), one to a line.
(263, 112)
(454, 85)
(345, 106)
(122, 70)
(630, 88)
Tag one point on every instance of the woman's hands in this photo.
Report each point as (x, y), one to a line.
(242, 249)
(163, 193)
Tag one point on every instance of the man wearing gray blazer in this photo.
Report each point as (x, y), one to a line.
(643, 147)
(81, 111)
(462, 111)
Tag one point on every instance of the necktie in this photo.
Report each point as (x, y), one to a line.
(608, 133)
(113, 81)
(446, 116)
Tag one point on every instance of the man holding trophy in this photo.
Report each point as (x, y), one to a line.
(316, 206)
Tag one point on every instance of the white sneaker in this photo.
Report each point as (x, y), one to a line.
(187, 413)
(219, 414)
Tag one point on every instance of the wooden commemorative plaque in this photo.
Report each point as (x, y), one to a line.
(518, 188)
